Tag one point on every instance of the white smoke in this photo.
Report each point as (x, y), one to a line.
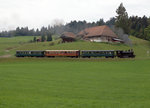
(122, 35)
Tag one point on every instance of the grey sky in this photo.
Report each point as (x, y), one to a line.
(37, 13)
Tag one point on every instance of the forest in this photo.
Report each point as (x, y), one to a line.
(131, 25)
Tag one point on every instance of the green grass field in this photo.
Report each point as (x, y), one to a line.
(52, 83)
(73, 83)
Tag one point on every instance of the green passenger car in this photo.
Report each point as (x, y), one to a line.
(30, 53)
(98, 53)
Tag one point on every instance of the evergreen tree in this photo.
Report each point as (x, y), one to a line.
(147, 33)
(122, 18)
(111, 21)
(43, 38)
(49, 37)
(34, 39)
(100, 22)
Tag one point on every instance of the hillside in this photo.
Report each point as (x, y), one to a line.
(8, 46)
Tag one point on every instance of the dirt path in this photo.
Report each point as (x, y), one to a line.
(5, 56)
(6, 50)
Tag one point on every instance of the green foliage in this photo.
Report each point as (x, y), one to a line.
(34, 39)
(147, 33)
(137, 26)
(49, 36)
(100, 22)
(122, 18)
(43, 38)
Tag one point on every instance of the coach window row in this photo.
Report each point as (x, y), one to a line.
(23, 52)
(59, 52)
(98, 52)
(36, 52)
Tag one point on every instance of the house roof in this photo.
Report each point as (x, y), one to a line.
(68, 35)
(97, 31)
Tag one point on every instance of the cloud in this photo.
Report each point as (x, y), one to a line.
(36, 13)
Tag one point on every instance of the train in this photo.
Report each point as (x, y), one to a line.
(77, 53)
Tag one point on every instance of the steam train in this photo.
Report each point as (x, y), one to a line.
(77, 53)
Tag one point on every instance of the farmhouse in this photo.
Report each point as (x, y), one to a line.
(68, 37)
(99, 34)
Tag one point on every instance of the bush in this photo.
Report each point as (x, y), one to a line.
(52, 43)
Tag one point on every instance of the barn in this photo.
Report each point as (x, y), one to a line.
(68, 37)
(99, 34)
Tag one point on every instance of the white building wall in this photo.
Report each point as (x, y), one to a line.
(100, 39)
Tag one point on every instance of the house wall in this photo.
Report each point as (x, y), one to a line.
(100, 39)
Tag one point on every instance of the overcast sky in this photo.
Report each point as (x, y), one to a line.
(37, 13)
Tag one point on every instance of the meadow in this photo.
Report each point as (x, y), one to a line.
(73, 83)
(52, 83)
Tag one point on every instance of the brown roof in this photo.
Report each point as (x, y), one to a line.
(97, 31)
(68, 34)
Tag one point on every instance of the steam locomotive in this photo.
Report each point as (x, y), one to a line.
(77, 53)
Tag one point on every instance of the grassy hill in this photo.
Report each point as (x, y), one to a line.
(8, 46)
(73, 83)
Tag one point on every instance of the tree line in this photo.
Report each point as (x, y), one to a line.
(73, 26)
(133, 25)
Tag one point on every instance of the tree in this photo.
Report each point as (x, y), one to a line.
(100, 22)
(43, 38)
(147, 33)
(122, 18)
(49, 36)
(111, 21)
(34, 39)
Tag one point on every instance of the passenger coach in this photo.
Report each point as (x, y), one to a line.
(30, 53)
(62, 53)
(98, 53)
